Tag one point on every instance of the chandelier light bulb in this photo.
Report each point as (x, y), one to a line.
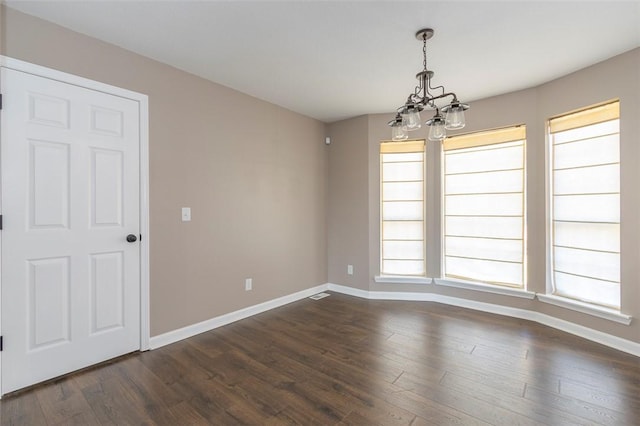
(398, 129)
(437, 130)
(454, 118)
(411, 118)
(398, 133)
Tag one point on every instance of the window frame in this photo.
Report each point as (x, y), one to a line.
(397, 277)
(497, 136)
(551, 295)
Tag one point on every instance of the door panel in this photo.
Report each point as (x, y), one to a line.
(48, 192)
(107, 289)
(48, 302)
(70, 195)
(107, 188)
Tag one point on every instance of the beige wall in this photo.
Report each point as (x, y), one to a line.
(347, 215)
(1, 27)
(618, 77)
(257, 190)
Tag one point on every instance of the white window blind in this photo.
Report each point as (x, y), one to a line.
(402, 208)
(484, 206)
(585, 186)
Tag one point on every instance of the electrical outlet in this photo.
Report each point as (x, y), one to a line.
(248, 284)
(349, 269)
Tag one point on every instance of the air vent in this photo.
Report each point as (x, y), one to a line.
(319, 296)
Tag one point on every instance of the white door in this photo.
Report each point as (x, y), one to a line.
(70, 196)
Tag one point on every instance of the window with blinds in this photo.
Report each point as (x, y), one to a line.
(585, 204)
(402, 208)
(483, 192)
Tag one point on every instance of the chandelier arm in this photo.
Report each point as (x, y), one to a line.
(444, 95)
(413, 99)
(436, 87)
(430, 100)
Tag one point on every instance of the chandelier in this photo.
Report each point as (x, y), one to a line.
(425, 96)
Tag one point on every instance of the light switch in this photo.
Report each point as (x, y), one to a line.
(186, 214)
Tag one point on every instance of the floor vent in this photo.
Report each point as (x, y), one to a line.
(319, 296)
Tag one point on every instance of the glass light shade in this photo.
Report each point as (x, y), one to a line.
(437, 130)
(398, 132)
(411, 118)
(455, 117)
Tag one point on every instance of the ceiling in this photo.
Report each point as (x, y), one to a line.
(332, 60)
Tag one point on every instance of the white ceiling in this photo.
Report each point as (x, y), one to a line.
(337, 59)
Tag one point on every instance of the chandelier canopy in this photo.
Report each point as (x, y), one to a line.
(425, 96)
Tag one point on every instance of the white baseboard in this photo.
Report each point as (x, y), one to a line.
(559, 324)
(587, 333)
(201, 327)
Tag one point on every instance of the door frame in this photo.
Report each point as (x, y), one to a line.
(143, 105)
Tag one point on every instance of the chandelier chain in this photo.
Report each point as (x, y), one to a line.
(419, 88)
(424, 52)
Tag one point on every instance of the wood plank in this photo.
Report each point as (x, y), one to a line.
(462, 402)
(62, 402)
(602, 395)
(593, 413)
(22, 409)
(185, 414)
(433, 411)
(114, 403)
(516, 404)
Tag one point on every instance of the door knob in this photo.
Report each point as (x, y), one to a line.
(132, 238)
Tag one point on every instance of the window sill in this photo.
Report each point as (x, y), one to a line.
(563, 302)
(397, 279)
(586, 308)
(487, 288)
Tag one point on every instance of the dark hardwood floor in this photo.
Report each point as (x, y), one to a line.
(348, 361)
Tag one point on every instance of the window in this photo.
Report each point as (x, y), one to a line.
(402, 200)
(585, 205)
(484, 207)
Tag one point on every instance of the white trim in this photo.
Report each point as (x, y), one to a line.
(63, 77)
(143, 102)
(587, 333)
(381, 295)
(585, 308)
(486, 288)
(213, 323)
(398, 279)
(350, 291)
(145, 240)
